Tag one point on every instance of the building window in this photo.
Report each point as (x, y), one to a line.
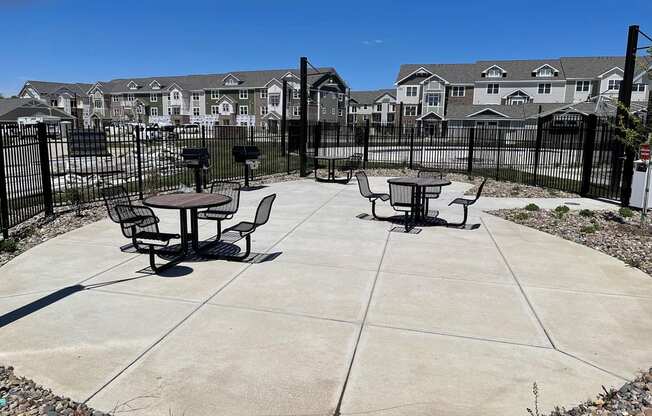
(195, 111)
(231, 81)
(457, 91)
(332, 111)
(263, 94)
(244, 94)
(226, 108)
(140, 109)
(545, 72)
(116, 111)
(130, 98)
(263, 110)
(639, 88)
(275, 100)
(169, 111)
(153, 97)
(175, 95)
(153, 111)
(340, 112)
(494, 73)
(195, 96)
(340, 96)
(323, 110)
(379, 107)
(433, 100)
(392, 108)
(614, 84)
(215, 110)
(296, 94)
(98, 103)
(244, 109)
(410, 110)
(215, 94)
(411, 91)
(296, 111)
(116, 98)
(583, 86)
(544, 88)
(354, 109)
(176, 111)
(492, 88)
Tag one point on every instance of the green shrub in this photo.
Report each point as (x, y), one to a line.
(590, 229)
(521, 216)
(562, 209)
(532, 207)
(8, 246)
(587, 213)
(626, 212)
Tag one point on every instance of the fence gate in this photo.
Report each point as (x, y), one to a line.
(21, 180)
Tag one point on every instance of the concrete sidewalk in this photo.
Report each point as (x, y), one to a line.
(347, 317)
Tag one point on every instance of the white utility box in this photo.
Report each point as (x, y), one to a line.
(638, 186)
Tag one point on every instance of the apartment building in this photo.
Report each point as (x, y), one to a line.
(244, 98)
(71, 98)
(377, 106)
(512, 91)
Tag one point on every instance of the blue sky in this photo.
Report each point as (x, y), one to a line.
(66, 40)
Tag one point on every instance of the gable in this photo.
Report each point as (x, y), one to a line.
(493, 68)
(420, 72)
(487, 112)
(155, 85)
(612, 71)
(230, 79)
(132, 85)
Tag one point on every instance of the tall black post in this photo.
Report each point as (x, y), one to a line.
(4, 200)
(400, 122)
(284, 116)
(303, 137)
(587, 153)
(625, 99)
(44, 153)
(139, 163)
(365, 154)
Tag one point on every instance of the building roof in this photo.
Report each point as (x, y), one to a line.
(370, 97)
(588, 67)
(12, 108)
(47, 87)
(246, 79)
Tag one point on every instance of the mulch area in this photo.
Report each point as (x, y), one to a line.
(607, 231)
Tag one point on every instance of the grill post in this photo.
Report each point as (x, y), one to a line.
(44, 154)
(587, 153)
(139, 163)
(4, 201)
(411, 147)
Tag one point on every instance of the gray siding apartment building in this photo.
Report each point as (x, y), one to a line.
(509, 92)
(244, 98)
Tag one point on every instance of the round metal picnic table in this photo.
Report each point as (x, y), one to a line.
(419, 184)
(331, 159)
(183, 203)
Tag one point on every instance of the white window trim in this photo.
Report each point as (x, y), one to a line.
(411, 107)
(296, 111)
(244, 94)
(263, 110)
(582, 83)
(547, 88)
(412, 88)
(458, 89)
(153, 98)
(196, 96)
(296, 94)
(491, 90)
(215, 94)
(196, 110)
(263, 93)
(153, 111)
(215, 110)
(116, 98)
(246, 108)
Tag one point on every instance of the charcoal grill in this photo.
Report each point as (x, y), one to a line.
(197, 159)
(245, 154)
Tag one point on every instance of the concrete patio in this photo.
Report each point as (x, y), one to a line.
(345, 317)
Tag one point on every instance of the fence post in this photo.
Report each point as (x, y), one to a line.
(4, 201)
(469, 162)
(497, 139)
(44, 154)
(139, 163)
(317, 139)
(587, 154)
(537, 150)
(411, 146)
(366, 144)
(284, 110)
(400, 122)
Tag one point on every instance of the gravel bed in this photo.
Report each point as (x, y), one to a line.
(20, 396)
(606, 231)
(493, 188)
(632, 399)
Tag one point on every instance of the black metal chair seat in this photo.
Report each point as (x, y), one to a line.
(244, 229)
(430, 192)
(465, 203)
(402, 200)
(462, 201)
(365, 191)
(223, 212)
(130, 214)
(155, 236)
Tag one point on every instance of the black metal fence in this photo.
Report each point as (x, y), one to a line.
(45, 166)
